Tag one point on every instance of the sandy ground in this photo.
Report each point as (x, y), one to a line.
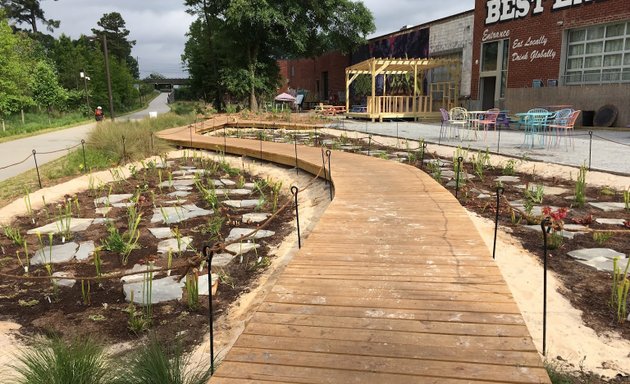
(567, 336)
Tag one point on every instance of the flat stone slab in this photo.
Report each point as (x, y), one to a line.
(184, 172)
(548, 189)
(163, 290)
(253, 218)
(177, 183)
(102, 210)
(439, 162)
(69, 283)
(610, 221)
(609, 206)
(228, 182)
(594, 253)
(484, 196)
(62, 253)
(236, 233)
(249, 185)
(86, 249)
(238, 191)
(241, 203)
(171, 215)
(603, 264)
(171, 245)
(202, 283)
(123, 205)
(241, 248)
(508, 179)
(162, 165)
(139, 276)
(112, 199)
(182, 188)
(221, 260)
(75, 225)
(162, 232)
(178, 194)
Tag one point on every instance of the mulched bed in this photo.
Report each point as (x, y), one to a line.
(62, 311)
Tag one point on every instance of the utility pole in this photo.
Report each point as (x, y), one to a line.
(85, 78)
(109, 79)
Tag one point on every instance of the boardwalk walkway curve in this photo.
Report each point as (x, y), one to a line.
(393, 285)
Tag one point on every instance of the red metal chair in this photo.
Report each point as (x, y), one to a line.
(566, 125)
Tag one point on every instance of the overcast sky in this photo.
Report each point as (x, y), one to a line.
(159, 26)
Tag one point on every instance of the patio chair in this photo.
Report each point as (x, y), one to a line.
(444, 124)
(458, 117)
(489, 120)
(566, 125)
(559, 117)
(535, 125)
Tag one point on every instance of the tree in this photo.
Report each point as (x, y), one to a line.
(28, 12)
(13, 72)
(45, 87)
(118, 45)
(257, 32)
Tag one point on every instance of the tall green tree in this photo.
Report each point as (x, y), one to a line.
(113, 27)
(28, 12)
(45, 87)
(258, 32)
(13, 72)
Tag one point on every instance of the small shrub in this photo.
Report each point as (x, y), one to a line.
(580, 187)
(508, 169)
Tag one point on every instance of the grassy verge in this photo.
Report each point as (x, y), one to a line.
(104, 149)
(38, 123)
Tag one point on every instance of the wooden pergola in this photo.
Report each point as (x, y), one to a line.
(423, 104)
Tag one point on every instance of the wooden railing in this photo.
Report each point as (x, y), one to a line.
(384, 105)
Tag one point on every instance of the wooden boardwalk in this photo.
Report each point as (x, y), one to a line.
(394, 285)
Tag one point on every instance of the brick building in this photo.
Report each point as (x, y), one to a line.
(529, 53)
(323, 77)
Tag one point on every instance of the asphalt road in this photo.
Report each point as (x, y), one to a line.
(16, 156)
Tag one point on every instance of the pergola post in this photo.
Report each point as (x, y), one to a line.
(347, 92)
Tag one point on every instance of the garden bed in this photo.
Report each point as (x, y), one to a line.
(222, 204)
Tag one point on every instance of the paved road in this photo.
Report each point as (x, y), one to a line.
(50, 146)
(610, 148)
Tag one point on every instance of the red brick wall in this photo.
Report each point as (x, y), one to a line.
(550, 24)
(304, 74)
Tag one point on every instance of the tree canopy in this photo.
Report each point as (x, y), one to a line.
(28, 12)
(234, 45)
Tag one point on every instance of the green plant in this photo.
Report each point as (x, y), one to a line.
(124, 243)
(626, 199)
(85, 292)
(536, 196)
(80, 361)
(154, 364)
(619, 291)
(14, 235)
(508, 169)
(580, 187)
(213, 227)
(208, 193)
(602, 237)
(192, 290)
(554, 240)
(137, 322)
(435, 170)
(480, 161)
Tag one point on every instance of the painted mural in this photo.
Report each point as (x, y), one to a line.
(413, 44)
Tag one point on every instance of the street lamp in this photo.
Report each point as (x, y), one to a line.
(85, 80)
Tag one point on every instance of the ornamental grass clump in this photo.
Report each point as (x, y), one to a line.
(48, 361)
(580, 187)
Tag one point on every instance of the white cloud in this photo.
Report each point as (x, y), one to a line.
(159, 26)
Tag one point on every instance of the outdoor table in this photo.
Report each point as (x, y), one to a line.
(473, 118)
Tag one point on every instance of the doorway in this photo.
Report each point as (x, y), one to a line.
(488, 91)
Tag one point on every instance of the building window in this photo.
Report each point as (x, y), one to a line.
(598, 54)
